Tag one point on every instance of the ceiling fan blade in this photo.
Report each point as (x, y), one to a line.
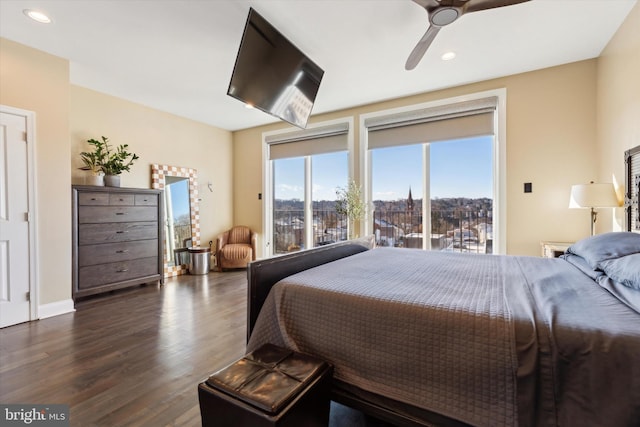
(418, 52)
(478, 5)
(427, 3)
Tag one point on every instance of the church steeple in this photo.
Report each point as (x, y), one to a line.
(409, 213)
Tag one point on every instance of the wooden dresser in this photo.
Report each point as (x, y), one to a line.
(117, 238)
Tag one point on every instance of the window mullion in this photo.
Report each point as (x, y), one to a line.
(426, 196)
(269, 187)
(308, 204)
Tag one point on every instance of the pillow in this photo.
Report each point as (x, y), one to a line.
(624, 270)
(582, 265)
(601, 247)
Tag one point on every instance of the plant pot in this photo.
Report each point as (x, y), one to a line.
(94, 180)
(112, 180)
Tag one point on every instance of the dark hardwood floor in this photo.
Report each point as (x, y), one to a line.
(133, 357)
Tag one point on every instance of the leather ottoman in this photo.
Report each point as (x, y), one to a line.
(271, 386)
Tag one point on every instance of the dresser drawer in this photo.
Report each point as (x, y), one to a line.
(97, 214)
(113, 252)
(97, 275)
(93, 199)
(146, 200)
(121, 199)
(116, 232)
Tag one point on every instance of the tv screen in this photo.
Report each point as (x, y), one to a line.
(273, 75)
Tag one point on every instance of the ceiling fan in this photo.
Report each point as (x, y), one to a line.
(444, 12)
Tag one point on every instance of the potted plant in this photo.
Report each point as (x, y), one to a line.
(349, 203)
(93, 161)
(116, 162)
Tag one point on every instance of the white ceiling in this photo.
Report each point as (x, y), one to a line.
(178, 55)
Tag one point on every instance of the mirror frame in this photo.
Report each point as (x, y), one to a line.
(158, 181)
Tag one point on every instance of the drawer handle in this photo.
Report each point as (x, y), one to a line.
(121, 213)
(121, 231)
(124, 251)
(93, 199)
(124, 270)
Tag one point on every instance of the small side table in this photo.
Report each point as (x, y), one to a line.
(554, 249)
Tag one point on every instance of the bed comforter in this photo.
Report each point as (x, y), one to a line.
(485, 340)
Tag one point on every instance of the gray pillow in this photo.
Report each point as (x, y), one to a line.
(624, 270)
(582, 265)
(602, 247)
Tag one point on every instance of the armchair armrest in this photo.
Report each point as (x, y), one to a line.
(254, 244)
(222, 240)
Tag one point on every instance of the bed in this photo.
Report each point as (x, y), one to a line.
(442, 339)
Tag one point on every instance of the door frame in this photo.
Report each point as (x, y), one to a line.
(30, 119)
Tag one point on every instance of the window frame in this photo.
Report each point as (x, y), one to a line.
(395, 115)
(312, 130)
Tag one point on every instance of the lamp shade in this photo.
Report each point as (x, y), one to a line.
(593, 196)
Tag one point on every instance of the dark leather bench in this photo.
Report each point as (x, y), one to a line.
(271, 386)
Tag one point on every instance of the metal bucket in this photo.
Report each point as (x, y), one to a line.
(199, 260)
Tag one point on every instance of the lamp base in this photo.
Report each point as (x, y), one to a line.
(594, 218)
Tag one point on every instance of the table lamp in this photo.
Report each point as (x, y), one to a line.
(593, 196)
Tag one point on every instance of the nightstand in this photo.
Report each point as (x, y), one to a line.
(554, 249)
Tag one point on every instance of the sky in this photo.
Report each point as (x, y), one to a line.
(180, 198)
(461, 168)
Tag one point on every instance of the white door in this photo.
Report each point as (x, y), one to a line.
(15, 268)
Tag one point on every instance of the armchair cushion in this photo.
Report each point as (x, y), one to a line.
(236, 248)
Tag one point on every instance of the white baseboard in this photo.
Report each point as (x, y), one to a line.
(56, 308)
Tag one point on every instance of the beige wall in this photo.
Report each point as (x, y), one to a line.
(157, 137)
(66, 116)
(566, 124)
(551, 140)
(36, 81)
(618, 88)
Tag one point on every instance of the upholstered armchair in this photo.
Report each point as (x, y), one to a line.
(235, 248)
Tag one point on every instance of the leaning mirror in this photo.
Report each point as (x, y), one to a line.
(181, 221)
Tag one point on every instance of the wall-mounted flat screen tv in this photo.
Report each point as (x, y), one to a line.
(273, 75)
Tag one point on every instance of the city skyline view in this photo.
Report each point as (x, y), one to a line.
(460, 168)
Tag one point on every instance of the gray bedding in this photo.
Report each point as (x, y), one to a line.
(486, 340)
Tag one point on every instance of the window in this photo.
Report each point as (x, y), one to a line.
(288, 204)
(449, 180)
(328, 172)
(428, 150)
(304, 170)
(397, 175)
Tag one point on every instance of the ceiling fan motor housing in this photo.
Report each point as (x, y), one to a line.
(444, 16)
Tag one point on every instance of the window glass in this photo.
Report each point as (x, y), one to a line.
(329, 172)
(288, 204)
(291, 222)
(396, 172)
(456, 176)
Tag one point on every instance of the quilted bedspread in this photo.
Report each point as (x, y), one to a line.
(470, 337)
(404, 339)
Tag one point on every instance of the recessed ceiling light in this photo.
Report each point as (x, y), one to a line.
(249, 106)
(448, 56)
(37, 16)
